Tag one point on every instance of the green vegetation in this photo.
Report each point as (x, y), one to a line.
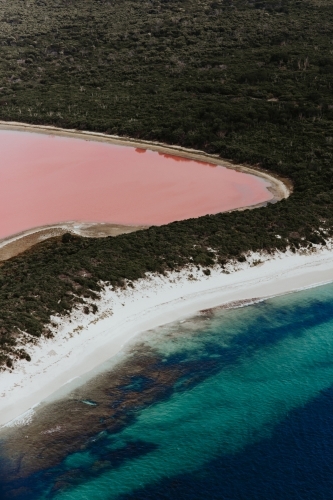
(247, 79)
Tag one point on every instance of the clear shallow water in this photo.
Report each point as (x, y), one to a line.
(46, 179)
(231, 404)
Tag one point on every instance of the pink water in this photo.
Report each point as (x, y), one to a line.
(46, 179)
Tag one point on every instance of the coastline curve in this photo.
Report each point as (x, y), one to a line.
(84, 342)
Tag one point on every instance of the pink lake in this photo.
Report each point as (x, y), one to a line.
(46, 179)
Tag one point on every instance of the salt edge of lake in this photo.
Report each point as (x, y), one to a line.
(280, 187)
(83, 342)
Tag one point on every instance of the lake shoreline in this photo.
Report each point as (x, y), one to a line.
(281, 187)
(82, 342)
(17, 242)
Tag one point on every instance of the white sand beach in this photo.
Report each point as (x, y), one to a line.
(83, 342)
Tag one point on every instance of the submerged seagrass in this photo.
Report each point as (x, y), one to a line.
(234, 401)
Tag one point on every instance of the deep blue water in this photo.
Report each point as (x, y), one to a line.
(244, 411)
(295, 462)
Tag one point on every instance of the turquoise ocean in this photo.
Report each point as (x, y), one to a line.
(230, 404)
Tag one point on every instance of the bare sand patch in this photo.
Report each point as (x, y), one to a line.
(12, 246)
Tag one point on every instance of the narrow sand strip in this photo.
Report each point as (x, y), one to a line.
(83, 342)
(14, 245)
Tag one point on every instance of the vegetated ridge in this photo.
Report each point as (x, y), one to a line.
(248, 80)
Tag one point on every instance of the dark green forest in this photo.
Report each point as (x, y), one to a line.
(249, 80)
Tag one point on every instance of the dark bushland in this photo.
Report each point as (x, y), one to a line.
(250, 81)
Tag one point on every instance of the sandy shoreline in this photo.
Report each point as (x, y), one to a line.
(83, 342)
